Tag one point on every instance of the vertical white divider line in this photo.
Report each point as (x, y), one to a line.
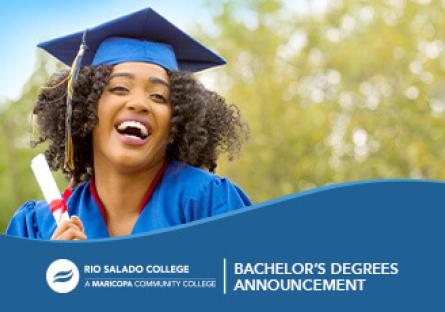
(224, 276)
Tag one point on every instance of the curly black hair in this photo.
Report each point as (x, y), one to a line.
(202, 126)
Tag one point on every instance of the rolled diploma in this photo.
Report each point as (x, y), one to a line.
(48, 185)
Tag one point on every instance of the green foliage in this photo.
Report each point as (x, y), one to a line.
(17, 183)
(355, 93)
(352, 93)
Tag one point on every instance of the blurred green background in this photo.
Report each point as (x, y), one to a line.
(352, 92)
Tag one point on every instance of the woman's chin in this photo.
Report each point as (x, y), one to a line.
(131, 162)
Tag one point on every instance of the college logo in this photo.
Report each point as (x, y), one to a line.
(62, 276)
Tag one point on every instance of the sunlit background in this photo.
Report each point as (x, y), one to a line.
(333, 91)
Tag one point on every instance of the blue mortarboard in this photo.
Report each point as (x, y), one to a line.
(143, 36)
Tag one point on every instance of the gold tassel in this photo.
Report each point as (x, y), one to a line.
(72, 77)
(69, 153)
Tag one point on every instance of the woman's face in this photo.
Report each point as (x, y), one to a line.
(134, 118)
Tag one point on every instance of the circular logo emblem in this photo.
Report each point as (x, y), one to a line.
(62, 276)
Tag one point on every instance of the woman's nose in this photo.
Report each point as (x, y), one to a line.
(139, 103)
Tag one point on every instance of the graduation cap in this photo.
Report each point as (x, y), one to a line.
(142, 36)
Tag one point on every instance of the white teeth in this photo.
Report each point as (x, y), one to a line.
(135, 124)
(133, 136)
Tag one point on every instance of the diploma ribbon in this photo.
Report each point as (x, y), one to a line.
(59, 207)
(61, 203)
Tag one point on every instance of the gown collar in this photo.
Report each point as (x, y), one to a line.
(145, 200)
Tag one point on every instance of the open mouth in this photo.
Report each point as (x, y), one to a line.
(133, 129)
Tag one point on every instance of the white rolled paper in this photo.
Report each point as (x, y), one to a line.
(47, 184)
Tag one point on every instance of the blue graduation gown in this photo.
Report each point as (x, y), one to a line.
(182, 194)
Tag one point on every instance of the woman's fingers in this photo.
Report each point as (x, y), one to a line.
(70, 230)
(65, 225)
(72, 234)
(76, 220)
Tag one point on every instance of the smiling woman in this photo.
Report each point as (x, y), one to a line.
(144, 134)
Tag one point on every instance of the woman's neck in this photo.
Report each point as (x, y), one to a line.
(122, 194)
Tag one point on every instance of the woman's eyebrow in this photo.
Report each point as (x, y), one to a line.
(127, 75)
(159, 81)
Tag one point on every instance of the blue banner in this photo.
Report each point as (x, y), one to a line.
(365, 246)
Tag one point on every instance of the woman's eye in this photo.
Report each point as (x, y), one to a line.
(158, 98)
(119, 90)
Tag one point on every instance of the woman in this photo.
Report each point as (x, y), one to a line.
(141, 128)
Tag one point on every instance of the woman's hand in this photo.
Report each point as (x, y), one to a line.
(70, 230)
